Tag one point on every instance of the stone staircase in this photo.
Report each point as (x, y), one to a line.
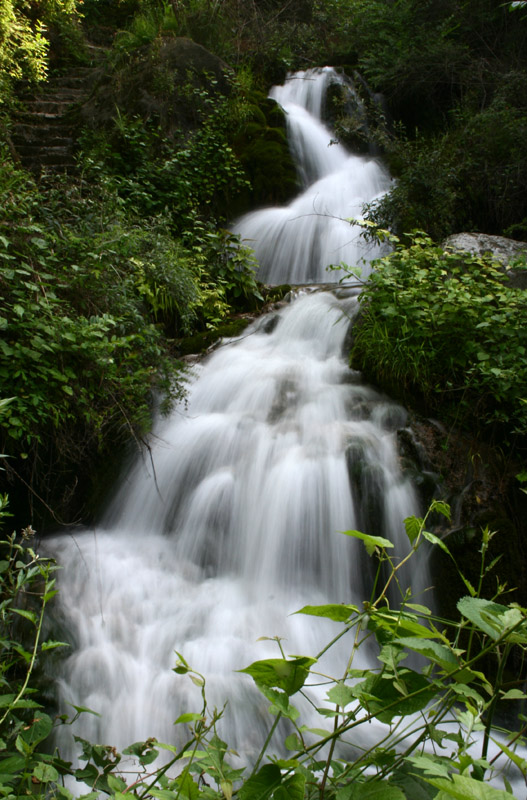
(45, 130)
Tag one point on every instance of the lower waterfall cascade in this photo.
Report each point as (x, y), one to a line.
(231, 522)
(279, 448)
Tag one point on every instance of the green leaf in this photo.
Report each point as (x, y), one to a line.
(116, 783)
(338, 613)
(371, 543)
(45, 773)
(432, 650)
(492, 618)
(280, 702)
(520, 762)
(291, 789)
(514, 694)
(412, 526)
(293, 742)
(464, 788)
(189, 717)
(51, 644)
(371, 790)
(225, 786)
(341, 694)
(431, 765)
(84, 710)
(163, 794)
(6, 700)
(262, 785)
(26, 614)
(382, 696)
(289, 675)
(396, 624)
(39, 730)
(440, 507)
(22, 746)
(431, 537)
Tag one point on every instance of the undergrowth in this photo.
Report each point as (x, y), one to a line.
(446, 328)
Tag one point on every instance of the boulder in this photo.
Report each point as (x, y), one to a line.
(508, 252)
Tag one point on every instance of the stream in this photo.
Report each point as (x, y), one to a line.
(232, 522)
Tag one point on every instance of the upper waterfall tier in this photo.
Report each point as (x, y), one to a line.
(297, 243)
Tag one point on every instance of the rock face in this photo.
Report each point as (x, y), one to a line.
(506, 251)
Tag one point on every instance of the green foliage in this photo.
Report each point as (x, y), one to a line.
(95, 287)
(472, 176)
(27, 585)
(451, 76)
(24, 38)
(446, 328)
(437, 715)
(80, 350)
(194, 171)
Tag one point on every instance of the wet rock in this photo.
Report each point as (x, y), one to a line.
(270, 323)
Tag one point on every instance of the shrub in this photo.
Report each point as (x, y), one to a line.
(445, 328)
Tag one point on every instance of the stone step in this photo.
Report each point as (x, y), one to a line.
(50, 159)
(44, 117)
(27, 147)
(49, 105)
(44, 133)
(40, 133)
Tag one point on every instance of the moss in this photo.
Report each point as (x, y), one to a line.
(199, 342)
(264, 153)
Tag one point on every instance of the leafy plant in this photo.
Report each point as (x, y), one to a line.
(445, 328)
(27, 587)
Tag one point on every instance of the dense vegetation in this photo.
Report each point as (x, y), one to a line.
(444, 330)
(105, 270)
(170, 151)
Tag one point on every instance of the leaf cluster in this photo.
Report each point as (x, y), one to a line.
(93, 294)
(445, 328)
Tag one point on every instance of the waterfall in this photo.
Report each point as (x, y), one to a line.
(231, 523)
(297, 243)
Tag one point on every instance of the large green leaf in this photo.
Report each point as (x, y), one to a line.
(338, 613)
(493, 618)
(433, 651)
(287, 674)
(386, 697)
(370, 790)
(291, 789)
(371, 543)
(341, 694)
(388, 624)
(262, 785)
(464, 788)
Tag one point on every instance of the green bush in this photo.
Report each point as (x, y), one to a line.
(445, 328)
(93, 295)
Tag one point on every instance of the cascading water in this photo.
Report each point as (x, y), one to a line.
(232, 524)
(297, 243)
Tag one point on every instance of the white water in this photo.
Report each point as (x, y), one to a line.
(297, 243)
(278, 448)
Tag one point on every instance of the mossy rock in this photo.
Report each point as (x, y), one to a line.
(199, 342)
(264, 153)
